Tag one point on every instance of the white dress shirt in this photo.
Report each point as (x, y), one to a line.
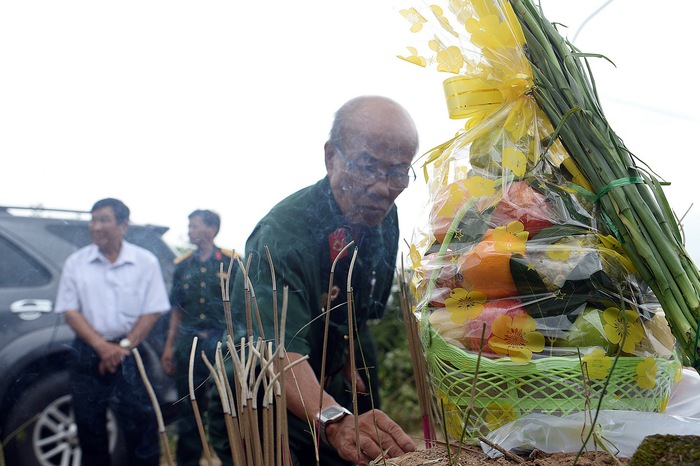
(112, 296)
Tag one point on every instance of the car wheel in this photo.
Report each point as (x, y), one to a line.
(43, 427)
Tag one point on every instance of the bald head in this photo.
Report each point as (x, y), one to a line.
(371, 116)
(371, 146)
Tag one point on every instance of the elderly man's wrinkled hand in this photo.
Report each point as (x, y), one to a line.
(379, 435)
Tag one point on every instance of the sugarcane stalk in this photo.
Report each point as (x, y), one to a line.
(618, 175)
(568, 58)
(640, 214)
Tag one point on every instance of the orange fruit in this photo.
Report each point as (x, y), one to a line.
(522, 203)
(485, 269)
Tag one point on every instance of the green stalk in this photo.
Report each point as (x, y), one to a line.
(639, 214)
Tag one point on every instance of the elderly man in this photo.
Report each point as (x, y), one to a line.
(368, 161)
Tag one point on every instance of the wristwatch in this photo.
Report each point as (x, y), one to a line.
(126, 343)
(330, 415)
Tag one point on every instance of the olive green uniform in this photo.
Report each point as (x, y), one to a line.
(197, 292)
(304, 234)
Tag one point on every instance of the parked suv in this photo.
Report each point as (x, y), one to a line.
(36, 419)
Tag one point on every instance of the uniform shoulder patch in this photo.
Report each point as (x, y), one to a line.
(183, 257)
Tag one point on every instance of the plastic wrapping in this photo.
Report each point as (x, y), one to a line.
(619, 432)
(527, 301)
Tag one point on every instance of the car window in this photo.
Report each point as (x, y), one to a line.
(17, 269)
(77, 235)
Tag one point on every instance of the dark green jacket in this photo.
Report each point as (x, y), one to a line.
(304, 233)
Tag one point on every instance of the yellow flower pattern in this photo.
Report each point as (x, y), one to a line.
(646, 373)
(516, 338)
(677, 372)
(437, 11)
(479, 186)
(414, 57)
(463, 304)
(455, 198)
(619, 324)
(558, 252)
(519, 119)
(597, 364)
(461, 173)
(416, 19)
(515, 161)
(454, 418)
(490, 33)
(612, 248)
(415, 257)
(450, 60)
(510, 238)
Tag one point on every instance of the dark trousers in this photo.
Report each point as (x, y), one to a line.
(125, 394)
(189, 444)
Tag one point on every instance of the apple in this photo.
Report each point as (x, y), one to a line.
(492, 309)
(587, 331)
(522, 203)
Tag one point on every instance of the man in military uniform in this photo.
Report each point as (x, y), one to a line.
(197, 310)
(368, 162)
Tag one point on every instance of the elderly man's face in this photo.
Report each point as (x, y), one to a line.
(371, 166)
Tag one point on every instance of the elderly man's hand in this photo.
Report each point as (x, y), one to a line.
(378, 435)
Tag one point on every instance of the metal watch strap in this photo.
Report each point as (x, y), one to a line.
(330, 415)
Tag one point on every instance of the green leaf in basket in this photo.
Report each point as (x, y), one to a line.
(549, 235)
(526, 279)
(473, 227)
(573, 201)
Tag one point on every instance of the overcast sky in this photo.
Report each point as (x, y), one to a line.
(173, 105)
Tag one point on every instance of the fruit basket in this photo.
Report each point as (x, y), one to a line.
(524, 309)
(529, 296)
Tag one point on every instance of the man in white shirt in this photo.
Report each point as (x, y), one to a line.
(111, 294)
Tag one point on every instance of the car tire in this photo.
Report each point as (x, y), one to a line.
(44, 432)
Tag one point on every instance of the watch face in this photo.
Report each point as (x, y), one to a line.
(332, 413)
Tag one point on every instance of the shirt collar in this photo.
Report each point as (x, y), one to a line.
(126, 254)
